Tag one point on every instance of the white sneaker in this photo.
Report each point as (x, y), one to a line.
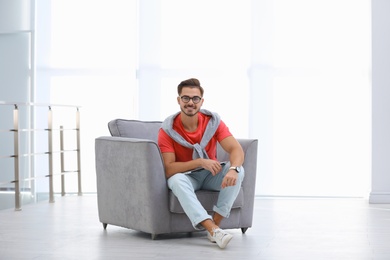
(221, 237)
(210, 237)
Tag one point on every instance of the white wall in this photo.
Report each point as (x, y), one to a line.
(380, 192)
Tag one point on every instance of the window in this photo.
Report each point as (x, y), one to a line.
(293, 74)
(91, 48)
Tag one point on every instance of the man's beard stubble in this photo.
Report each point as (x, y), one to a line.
(190, 114)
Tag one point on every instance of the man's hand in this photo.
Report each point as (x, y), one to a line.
(230, 179)
(211, 165)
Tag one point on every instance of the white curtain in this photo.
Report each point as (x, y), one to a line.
(86, 56)
(313, 75)
(293, 74)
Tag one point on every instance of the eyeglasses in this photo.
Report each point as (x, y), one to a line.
(187, 99)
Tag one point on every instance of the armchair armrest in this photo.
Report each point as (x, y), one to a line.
(249, 184)
(130, 178)
(250, 163)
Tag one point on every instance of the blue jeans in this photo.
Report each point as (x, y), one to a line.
(185, 185)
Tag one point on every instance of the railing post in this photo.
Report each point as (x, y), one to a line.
(62, 161)
(50, 151)
(16, 159)
(19, 178)
(78, 151)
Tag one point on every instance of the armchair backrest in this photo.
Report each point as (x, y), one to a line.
(135, 128)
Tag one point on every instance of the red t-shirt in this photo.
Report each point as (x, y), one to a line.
(184, 154)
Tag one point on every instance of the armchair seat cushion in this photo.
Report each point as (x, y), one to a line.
(207, 198)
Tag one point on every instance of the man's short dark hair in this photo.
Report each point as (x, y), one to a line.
(192, 83)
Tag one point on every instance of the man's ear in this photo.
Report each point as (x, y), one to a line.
(178, 100)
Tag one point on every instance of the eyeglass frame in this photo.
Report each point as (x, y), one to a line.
(190, 98)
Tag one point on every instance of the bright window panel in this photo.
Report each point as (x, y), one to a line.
(93, 33)
(321, 136)
(319, 99)
(330, 34)
(205, 34)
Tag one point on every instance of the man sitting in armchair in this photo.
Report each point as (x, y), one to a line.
(188, 141)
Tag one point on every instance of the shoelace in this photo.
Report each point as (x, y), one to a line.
(219, 233)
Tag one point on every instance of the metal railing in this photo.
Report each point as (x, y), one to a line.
(18, 178)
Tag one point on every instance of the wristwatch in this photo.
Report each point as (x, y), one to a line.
(236, 168)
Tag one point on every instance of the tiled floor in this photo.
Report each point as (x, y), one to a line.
(283, 228)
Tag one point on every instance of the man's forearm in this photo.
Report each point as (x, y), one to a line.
(236, 157)
(181, 167)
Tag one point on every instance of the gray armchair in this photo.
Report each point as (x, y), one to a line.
(132, 191)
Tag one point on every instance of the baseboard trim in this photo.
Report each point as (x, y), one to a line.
(379, 198)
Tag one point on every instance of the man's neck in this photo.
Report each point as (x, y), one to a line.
(190, 123)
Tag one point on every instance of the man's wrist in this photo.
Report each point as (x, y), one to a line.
(235, 168)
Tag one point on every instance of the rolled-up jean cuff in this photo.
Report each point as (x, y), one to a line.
(199, 226)
(223, 214)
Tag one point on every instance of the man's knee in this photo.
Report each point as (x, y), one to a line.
(177, 180)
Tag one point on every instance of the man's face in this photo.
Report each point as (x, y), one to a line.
(190, 108)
